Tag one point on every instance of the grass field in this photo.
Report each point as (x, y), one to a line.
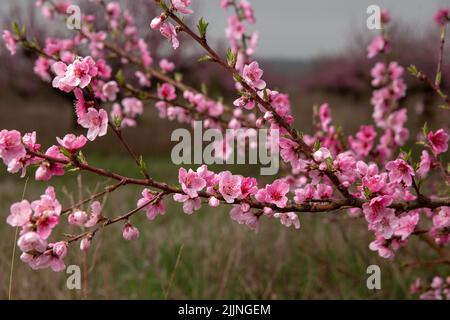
(326, 259)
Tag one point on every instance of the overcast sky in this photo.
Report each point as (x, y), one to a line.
(302, 29)
(307, 28)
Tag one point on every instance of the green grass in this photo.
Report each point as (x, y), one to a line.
(326, 259)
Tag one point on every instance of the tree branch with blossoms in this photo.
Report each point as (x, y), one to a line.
(367, 175)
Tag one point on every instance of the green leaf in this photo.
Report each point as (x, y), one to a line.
(117, 122)
(163, 4)
(367, 193)
(232, 58)
(81, 158)
(204, 58)
(65, 152)
(316, 145)
(142, 164)
(178, 77)
(438, 77)
(237, 77)
(425, 129)
(266, 95)
(202, 26)
(120, 77)
(204, 89)
(413, 70)
(15, 29)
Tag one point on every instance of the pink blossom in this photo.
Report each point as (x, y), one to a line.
(288, 150)
(59, 249)
(407, 224)
(242, 215)
(252, 75)
(229, 186)
(49, 169)
(191, 182)
(323, 191)
(304, 194)
(77, 74)
(375, 183)
(31, 242)
(20, 214)
(182, 6)
(400, 171)
(132, 107)
(80, 103)
(325, 116)
(96, 121)
(249, 187)
(152, 209)
(189, 204)
(224, 4)
(442, 16)
(438, 141)
(11, 147)
(103, 69)
(130, 232)
(375, 208)
(72, 143)
(10, 42)
(425, 164)
(442, 218)
(143, 79)
(146, 57)
(248, 11)
(41, 67)
(384, 251)
(113, 9)
(385, 16)
(166, 65)
(322, 154)
(288, 219)
(167, 92)
(110, 90)
(236, 29)
(95, 214)
(274, 193)
(169, 32)
(157, 22)
(378, 45)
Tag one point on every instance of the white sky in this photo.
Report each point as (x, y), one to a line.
(308, 28)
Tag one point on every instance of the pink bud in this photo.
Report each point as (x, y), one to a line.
(78, 218)
(85, 243)
(157, 22)
(130, 232)
(213, 202)
(60, 249)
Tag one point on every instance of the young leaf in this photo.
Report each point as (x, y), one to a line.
(204, 58)
(413, 70)
(202, 26)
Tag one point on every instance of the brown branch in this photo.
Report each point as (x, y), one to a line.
(327, 206)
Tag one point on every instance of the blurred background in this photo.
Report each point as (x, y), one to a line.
(313, 50)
